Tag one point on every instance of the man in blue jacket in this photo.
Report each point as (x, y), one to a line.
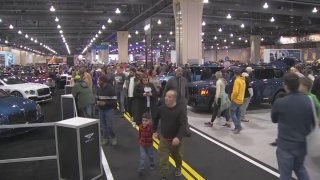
(294, 116)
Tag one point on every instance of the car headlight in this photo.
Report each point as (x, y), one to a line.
(204, 92)
(39, 111)
(30, 92)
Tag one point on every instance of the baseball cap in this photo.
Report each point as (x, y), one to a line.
(249, 69)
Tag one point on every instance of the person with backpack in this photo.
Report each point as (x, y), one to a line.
(221, 104)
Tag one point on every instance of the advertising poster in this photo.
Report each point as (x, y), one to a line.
(275, 54)
(6, 58)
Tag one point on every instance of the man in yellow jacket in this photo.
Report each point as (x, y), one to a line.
(237, 99)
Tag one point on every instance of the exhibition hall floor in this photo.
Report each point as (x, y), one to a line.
(210, 153)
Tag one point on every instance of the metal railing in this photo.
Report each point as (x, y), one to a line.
(28, 159)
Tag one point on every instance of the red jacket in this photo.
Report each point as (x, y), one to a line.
(145, 135)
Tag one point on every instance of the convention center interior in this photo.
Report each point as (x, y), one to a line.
(159, 89)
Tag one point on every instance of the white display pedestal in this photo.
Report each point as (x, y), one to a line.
(68, 107)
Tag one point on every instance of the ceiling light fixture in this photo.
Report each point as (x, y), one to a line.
(220, 30)
(159, 22)
(171, 33)
(231, 35)
(35, 41)
(52, 9)
(103, 27)
(272, 19)
(19, 32)
(203, 23)
(205, 1)
(215, 37)
(31, 39)
(6, 42)
(60, 31)
(160, 36)
(137, 32)
(240, 38)
(262, 39)
(129, 36)
(109, 20)
(10, 27)
(56, 19)
(224, 40)
(232, 42)
(96, 36)
(246, 41)
(58, 26)
(242, 25)
(229, 16)
(265, 6)
(118, 11)
(99, 32)
(202, 33)
(26, 36)
(315, 10)
(0, 20)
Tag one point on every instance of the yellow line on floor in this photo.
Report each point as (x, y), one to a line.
(189, 174)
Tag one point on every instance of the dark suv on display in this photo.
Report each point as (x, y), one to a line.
(267, 85)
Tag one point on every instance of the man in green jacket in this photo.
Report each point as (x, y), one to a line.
(84, 98)
(305, 87)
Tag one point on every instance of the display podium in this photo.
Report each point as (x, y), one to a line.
(78, 149)
(68, 89)
(68, 107)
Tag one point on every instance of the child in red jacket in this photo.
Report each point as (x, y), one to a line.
(145, 141)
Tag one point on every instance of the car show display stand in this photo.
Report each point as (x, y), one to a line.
(68, 107)
(78, 149)
(68, 89)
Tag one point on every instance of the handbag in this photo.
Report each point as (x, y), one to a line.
(313, 138)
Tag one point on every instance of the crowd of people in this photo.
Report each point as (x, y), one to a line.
(139, 92)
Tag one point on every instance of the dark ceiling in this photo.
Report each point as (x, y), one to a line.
(81, 20)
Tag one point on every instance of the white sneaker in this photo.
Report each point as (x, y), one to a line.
(133, 124)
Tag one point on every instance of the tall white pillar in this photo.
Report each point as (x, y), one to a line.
(188, 20)
(255, 43)
(122, 37)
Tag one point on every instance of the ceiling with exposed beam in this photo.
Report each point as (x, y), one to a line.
(81, 20)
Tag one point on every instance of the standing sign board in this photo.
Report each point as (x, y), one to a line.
(78, 149)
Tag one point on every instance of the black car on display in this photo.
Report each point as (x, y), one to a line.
(267, 85)
(17, 110)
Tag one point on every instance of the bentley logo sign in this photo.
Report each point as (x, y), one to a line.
(89, 137)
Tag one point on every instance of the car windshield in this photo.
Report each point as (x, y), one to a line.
(3, 94)
(13, 80)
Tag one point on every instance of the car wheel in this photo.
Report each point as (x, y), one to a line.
(17, 94)
(280, 94)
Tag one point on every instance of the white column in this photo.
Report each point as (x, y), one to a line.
(122, 37)
(255, 43)
(188, 20)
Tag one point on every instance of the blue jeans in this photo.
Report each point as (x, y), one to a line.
(144, 151)
(235, 115)
(106, 117)
(86, 112)
(292, 160)
(120, 97)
